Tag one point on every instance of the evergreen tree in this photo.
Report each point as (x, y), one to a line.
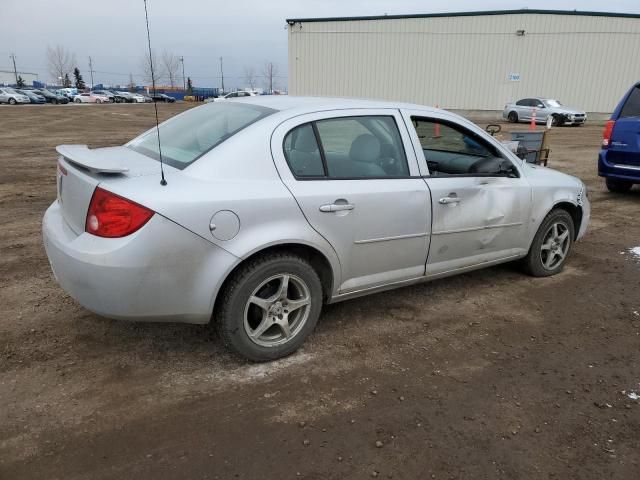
(66, 82)
(21, 82)
(80, 85)
(189, 86)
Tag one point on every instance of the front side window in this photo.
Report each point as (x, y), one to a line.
(453, 150)
(187, 137)
(632, 105)
(347, 148)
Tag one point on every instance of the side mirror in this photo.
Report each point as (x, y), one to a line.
(508, 169)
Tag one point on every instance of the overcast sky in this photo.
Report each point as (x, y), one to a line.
(243, 32)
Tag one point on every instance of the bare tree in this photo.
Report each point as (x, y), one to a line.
(145, 65)
(60, 62)
(250, 77)
(170, 67)
(270, 72)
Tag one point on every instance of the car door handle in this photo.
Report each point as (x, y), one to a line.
(448, 200)
(336, 207)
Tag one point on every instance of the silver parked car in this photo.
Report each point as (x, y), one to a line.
(522, 111)
(12, 97)
(275, 205)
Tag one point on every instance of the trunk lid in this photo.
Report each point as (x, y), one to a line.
(80, 170)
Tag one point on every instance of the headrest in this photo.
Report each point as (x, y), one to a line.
(305, 140)
(365, 148)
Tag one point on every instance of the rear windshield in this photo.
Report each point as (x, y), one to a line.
(190, 135)
(632, 105)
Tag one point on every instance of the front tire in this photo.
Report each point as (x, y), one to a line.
(551, 245)
(513, 117)
(12, 101)
(269, 307)
(618, 186)
(77, 100)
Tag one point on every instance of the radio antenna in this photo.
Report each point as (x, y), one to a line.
(163, 182)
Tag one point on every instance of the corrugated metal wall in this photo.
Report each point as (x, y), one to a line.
(465, 62)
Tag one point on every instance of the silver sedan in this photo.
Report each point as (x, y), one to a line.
(274, 206)
(524, 110)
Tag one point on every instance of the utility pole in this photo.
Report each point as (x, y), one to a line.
(184, 84)
(222, 74)
(91, 70)
(15, 71)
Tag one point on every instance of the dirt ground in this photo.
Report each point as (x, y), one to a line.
(492, 374)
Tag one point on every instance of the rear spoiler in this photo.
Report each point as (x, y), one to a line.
(82, 156)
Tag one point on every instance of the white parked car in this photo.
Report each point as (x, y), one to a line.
(276, 205)
(233, 95)
(10, 96)
(522, 111)
(90, 97)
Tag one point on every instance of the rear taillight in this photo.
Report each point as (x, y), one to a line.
(113, 216)
(606, 135)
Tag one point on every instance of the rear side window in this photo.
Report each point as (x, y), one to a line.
(522, 103)
(347, 148)
(632, 105)
(302, 152)
(362, 147)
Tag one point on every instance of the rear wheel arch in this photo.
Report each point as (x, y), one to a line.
(315, 257)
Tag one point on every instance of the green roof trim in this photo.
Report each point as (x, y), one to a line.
(468, 14)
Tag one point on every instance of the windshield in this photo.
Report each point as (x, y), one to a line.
(187, 137)
(553, 103)
(9, 90)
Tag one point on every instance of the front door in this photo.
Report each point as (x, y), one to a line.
(481, 204)
(359, 187)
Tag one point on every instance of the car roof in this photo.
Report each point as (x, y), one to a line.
(311, 104)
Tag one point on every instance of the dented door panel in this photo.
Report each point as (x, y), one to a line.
(477, 220)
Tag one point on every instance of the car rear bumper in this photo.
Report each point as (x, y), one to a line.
(628, 173)
(162, 272)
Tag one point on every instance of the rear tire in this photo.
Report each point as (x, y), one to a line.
(257, 314)
(77, 100)
(513, 117)
(551, 246)
(618, 186)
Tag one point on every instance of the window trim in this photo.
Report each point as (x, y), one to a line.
(476, 136)
(326, 176)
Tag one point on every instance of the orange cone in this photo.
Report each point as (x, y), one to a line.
(532, 125)
(437, 127)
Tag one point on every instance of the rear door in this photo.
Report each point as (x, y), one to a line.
(624, 148)
(360, 188)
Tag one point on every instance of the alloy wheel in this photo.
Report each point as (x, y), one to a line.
(555, 245)
(277, 310)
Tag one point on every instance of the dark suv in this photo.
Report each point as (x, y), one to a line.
(619, 160)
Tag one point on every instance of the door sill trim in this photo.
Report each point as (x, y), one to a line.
(423, 279)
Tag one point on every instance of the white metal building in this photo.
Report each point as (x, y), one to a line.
(470, 60)
(8, 77)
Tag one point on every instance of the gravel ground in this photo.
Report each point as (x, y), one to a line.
(491, 374)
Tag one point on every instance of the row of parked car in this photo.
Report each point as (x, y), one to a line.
(15, 96)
